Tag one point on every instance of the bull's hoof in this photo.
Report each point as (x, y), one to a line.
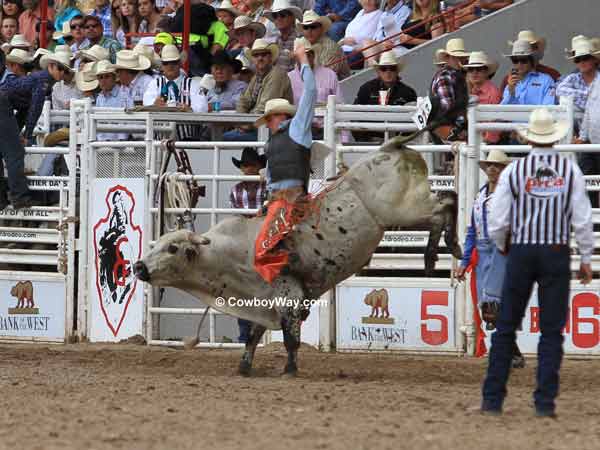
(245, 368)
(290, 371)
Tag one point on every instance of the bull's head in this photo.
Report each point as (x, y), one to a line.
(171, 258)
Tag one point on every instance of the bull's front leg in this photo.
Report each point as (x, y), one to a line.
(256, 333)
(443, 219)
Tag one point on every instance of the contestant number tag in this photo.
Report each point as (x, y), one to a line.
(422, 114)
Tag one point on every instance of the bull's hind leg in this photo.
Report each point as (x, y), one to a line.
(256, 333)
(290, 324)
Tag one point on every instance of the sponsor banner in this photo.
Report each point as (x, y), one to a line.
(582, 332)
(116, 221)
(51, 184)
(377, 314)
(442, 185)
(29, 214)
(32, 308)
(404, 239)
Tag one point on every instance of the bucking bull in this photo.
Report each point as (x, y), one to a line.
(387, 188)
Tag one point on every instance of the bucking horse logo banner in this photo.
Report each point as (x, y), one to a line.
(117, 245)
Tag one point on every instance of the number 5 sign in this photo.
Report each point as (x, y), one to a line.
(434, 335)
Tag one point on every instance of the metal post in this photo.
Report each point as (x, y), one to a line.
(43, 22)
(187, 14)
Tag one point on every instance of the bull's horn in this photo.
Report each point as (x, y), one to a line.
(198, 239)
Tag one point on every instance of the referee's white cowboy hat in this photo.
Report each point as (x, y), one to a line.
(311, 17)
(276, 106)
(494, 157)
(389, 59)
(532, 38)
(245, 22)
(129, 60)
(261, 45)
(283, 5)
(226, 5)
(454, 47)
(543, 129)
(18, 56)
(169, 53)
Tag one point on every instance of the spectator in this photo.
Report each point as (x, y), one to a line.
(388, 79)
(419, 28)
(227, 14)
(360, 30)
(326, 79)
(150, 16)
(449, 93)
(394, 15)
(133, 81)
(577, 84)
(77, 31)
(30, 18)
(102, 11)
(339, 12)
(86, 81)
(538, 46)
(16, 61)
(269, 82)
(109, 96)
(5, 75)
(248, 195)
(96, 36)
(12, 8)
(246, 31)
(227, 90)
(284, 15)
(128, 21)
(526, 86)
(258, 8)
(479, 71)
(314, 28)
(23, 98)
(490, 6)
(8, 28)
(65, 11)
(65, 90)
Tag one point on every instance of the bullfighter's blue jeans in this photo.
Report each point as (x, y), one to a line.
(549, 266)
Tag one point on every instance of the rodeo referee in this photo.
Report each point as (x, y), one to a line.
(538, 199)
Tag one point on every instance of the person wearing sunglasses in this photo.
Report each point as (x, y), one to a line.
(314, 28)
(284, 15)
(77, 31)
(526, 86)
(94, 32)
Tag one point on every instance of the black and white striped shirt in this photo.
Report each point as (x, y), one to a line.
(539, 198)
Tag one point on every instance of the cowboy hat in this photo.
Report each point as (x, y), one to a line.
(86, 78)
(521, 48)
(222, 58)
(244, 22)
(169, 53)
(129, 60)
(245, 61)
(310, 17)
(18, 41)
(95, 53)
(63, 59)
(250, 156)
(494, 157)
(531, 37)
(582, 47)
(308, 47)
(148, 52)
(260, 45)
(54, 138)
(481, 59)
(275, 106)
(455, 47)
(283, 5)
(389, 59)
(596, 44)
(66, 31)
(542, 128)
(40, 52)
(18, 56)
(104, 67)
(64, 49)
(227, 6)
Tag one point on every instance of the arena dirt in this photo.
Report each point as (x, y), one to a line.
(88, 397)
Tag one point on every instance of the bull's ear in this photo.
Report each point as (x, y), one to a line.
(190, 254)
(198, 239)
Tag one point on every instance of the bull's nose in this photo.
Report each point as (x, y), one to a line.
(141, 271)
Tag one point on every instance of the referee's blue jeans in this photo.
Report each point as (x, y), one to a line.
(549, 266)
